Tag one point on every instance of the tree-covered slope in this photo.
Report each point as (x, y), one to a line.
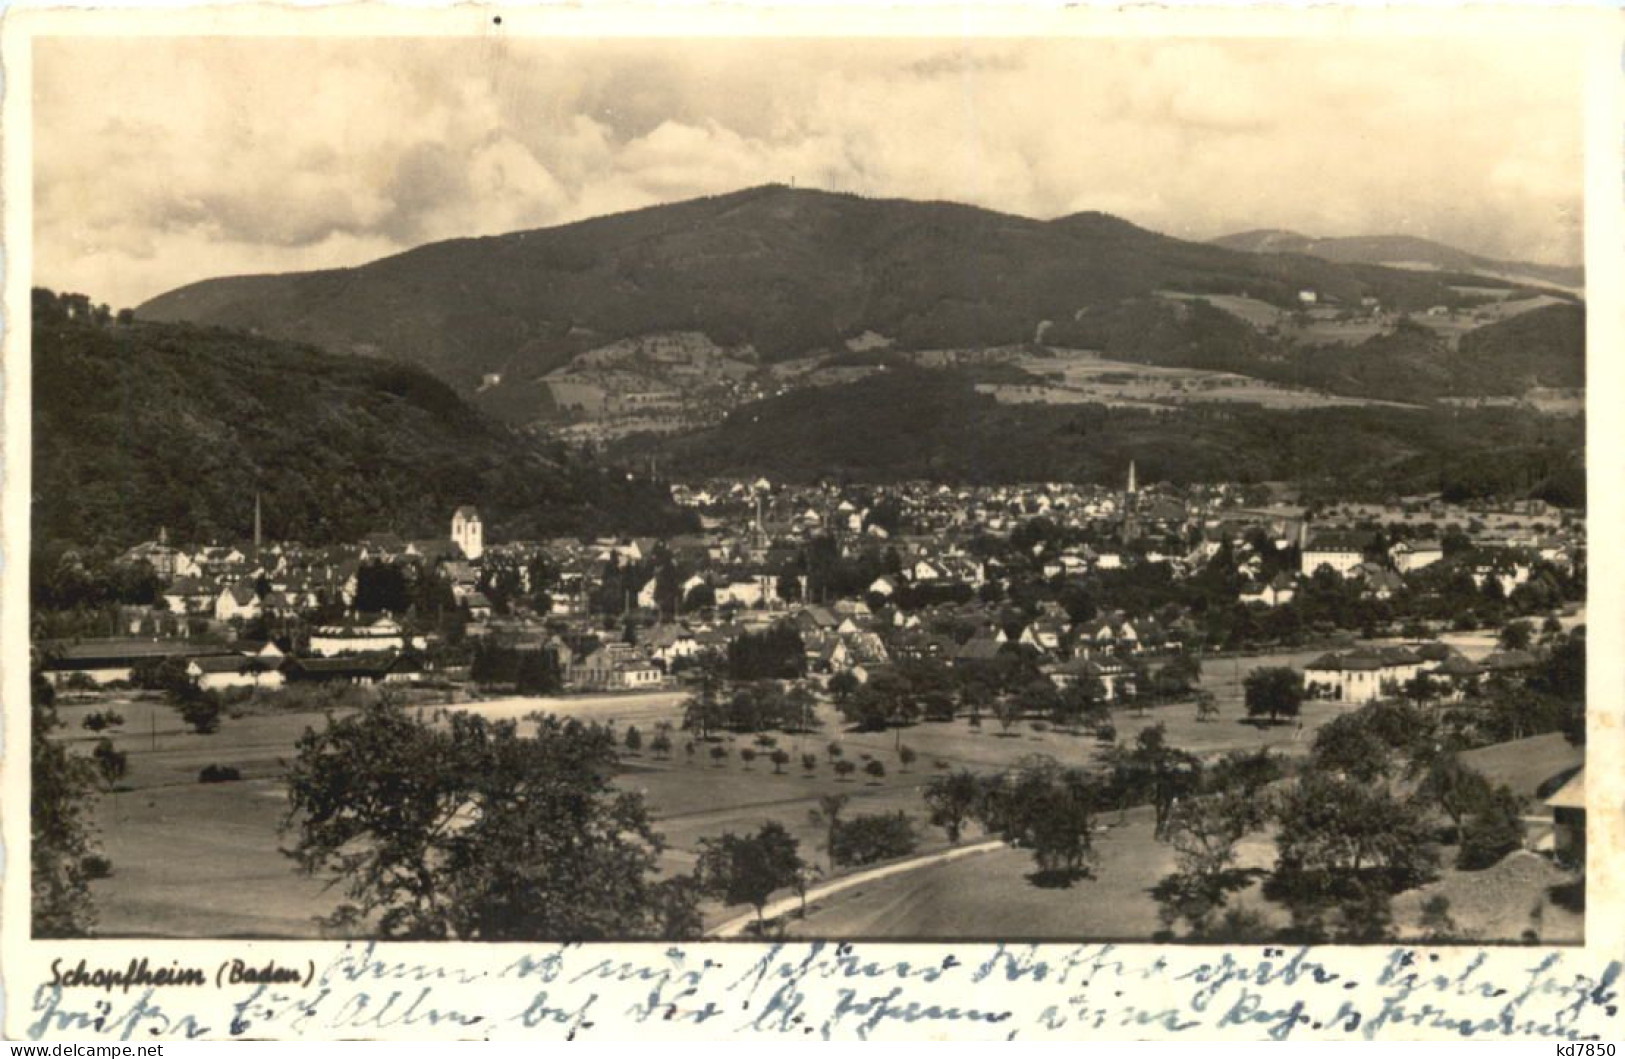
(789, 271)
(914, 423)
(142, 425)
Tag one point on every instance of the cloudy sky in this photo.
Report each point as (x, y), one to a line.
(159, 162)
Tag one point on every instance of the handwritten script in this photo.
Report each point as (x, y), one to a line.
(843, 990)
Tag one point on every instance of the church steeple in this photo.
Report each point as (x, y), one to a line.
(1131, 481)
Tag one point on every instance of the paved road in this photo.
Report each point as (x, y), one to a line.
(733, 928)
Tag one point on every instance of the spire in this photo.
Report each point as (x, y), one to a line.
(1130, 477)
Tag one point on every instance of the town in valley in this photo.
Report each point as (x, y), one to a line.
(524, 488)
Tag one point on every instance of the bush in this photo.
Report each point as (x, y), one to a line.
(202, 713)
(810, 763)
(873, 837)
(219, 774)
(100, 721)
(876, 770)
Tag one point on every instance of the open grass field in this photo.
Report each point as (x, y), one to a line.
(195, 860)
(1077, 377)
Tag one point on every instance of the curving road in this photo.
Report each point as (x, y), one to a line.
(733, 928)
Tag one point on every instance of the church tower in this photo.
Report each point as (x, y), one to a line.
(467, 532)
(1131, 504)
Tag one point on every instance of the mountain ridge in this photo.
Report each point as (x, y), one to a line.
(1398, 251)
(787, 271)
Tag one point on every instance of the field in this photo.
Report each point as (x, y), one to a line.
(202, 860)
(1078, 377)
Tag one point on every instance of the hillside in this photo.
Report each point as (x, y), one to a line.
(142, 425)
(918, 423)
(1402, 251)
(786, 272)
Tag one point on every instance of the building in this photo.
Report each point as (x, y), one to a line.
(107, 661)
(468, 532)
(1361, 676)
(1338, 551)
(217, 672)
(1414, 555)
(1568, 808)
(383, 635)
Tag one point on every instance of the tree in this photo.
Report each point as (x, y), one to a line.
(1348, 745)
(809, 763)
(660, 745)
(876, 770)
(1454, 787)
(801, 708)
(61, 789)
(842, 686)
(828, 816)
(1007, 709)
(1494, 829)
(1344, 845)
(780, 758)
(1516, 635)
(951, 799)
(1275, 692)
(747, 754)
(748, 869)
(868, 709)
(1045, 808)
(1204, 832)
(1207, 707)
(844, 769)
(537, 673)
(202, 712)
(873, 837)
(111, 764)
(906, 757)
(719, 754)
(834, 750)
(1156, 771)
(634, 740)
(703, 712)
(468, 830)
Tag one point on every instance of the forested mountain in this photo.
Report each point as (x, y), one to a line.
(787, 271)
(919, 423)
(1399, 250)
(142, 425)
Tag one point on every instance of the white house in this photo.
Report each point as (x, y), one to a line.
(215, 672)
(1339, 552)
(382, 635)
(1414, 555)
(237, 601)
(1361, 676)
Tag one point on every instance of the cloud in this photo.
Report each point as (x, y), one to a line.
(162, 161)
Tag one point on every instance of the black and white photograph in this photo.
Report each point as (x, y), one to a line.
(511, 487)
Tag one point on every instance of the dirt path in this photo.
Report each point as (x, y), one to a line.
(733, 928)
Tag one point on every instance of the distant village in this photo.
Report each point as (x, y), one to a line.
(865, 577)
